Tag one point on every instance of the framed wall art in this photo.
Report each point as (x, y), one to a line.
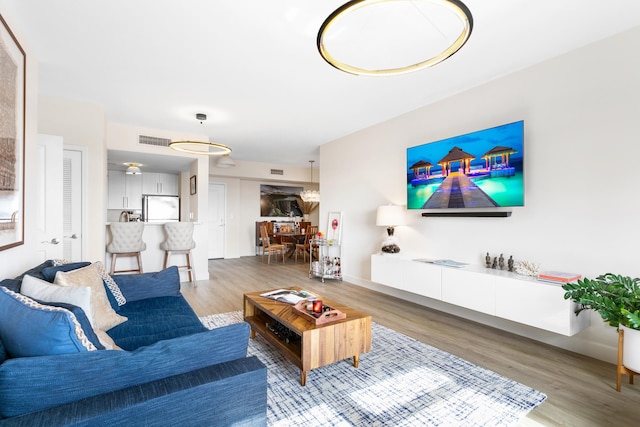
(193, 189)
(12, 138)
(334, 228)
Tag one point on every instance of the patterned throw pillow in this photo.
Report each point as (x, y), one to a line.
(28, 328)
(104, 317)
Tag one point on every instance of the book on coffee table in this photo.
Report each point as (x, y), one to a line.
(285, 295)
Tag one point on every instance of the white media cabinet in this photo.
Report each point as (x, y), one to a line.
(498, 293)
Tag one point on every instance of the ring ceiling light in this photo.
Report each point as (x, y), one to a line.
(387, 37)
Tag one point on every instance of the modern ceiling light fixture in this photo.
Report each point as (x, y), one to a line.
(388, 37)
(310, 196)
(133, 169)
(225, 162)
(201, 147)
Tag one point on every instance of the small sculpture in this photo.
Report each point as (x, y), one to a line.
(510, 263)
(501, 262)
(487, 260)
(495, 262)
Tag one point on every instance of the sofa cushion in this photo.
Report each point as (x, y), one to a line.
(45, 292)
(49, 273)
(162, 283)
(155, 319)
(104, 317)
(70, 377)
(28, 328)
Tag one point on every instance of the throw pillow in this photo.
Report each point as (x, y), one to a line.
(46, 292)
(49, 273)
(28, 328)
(165, 283)
(114, 293)
(81, 317)
(104, 317)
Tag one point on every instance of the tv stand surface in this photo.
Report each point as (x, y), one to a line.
(498, 293)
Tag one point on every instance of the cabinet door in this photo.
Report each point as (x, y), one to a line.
(116, 190)
(133, 188)
(168, 184)
(469, 289)
(150, 183)
(387, 270)
(422, 279)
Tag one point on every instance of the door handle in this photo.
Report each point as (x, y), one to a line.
(73, 236)
(53, 241)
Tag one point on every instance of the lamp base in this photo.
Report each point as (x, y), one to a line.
(390, 245)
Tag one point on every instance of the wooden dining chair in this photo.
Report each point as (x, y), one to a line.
(303, 247)
(269, 247)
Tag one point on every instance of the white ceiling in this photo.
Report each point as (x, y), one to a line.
(252, 65)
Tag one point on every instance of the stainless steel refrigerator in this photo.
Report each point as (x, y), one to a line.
(160, 208)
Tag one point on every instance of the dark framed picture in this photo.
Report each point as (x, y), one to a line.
(12, 135)
(193, 185)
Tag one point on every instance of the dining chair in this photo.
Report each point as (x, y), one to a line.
(270, 247)
(305, 247)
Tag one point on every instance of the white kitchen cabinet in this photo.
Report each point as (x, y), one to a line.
(157, 183)
(498, 293)
(125, 191)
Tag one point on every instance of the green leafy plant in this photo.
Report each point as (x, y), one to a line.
(615, 297)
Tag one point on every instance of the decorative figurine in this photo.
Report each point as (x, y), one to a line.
(501, 262)
(495, 262)
(487, 260)
(510, 263)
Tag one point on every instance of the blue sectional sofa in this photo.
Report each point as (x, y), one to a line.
(170, 370)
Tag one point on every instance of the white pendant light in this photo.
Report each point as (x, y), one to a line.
(225, 162)
(310, 196)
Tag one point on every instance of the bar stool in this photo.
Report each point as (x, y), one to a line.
(179, 241)
(126, 241)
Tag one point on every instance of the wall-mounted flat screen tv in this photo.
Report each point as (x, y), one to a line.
(482, 169)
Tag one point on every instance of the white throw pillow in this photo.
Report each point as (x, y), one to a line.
(42, 290)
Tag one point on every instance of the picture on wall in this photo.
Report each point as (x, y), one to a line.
(334, 228)
(277, 200)
(12, 111)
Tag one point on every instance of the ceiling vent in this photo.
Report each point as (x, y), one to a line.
(154, 140)
(277, 172)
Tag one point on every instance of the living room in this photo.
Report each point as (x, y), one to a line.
(580, 112)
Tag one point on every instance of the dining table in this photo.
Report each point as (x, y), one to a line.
(292, 239)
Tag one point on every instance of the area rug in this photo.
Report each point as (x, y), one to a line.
(401, 382)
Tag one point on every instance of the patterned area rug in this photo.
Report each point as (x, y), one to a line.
(401, 382)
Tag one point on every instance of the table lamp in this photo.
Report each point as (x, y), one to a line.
(390, 216)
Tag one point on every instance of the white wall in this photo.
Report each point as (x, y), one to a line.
(582, 121)
(17, 259)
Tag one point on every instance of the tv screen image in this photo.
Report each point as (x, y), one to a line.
(482, 169)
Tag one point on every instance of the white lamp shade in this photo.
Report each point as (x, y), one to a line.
(225, 162)
(390, 216)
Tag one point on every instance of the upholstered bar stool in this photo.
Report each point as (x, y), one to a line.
(179, 241)
(126, 241)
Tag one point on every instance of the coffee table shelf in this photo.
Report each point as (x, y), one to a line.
(319, 345)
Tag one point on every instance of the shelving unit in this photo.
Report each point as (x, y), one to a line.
(328, 265)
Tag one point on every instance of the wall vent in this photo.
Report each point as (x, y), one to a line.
(154, 140)
(277, 172)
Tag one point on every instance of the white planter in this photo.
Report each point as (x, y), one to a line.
(631, 349)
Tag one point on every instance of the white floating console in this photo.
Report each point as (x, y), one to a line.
(498, 293)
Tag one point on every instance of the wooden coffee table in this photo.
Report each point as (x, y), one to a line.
(313, 345)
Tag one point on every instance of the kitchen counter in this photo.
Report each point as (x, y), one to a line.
(153, 256)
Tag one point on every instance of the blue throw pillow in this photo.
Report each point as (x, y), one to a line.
(37, 270)
(134, 287)
(12, 284)
(82, 319)
(49, 273)
(28, 328)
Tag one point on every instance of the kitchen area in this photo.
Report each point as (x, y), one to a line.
(153, 190)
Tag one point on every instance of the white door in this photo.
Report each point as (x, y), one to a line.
(49, 193)
(217, 220)
(73, 225)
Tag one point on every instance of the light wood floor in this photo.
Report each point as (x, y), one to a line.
(580, 390)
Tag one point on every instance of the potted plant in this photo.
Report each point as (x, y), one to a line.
(617, 299)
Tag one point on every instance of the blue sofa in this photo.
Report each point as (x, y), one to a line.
(171, 370)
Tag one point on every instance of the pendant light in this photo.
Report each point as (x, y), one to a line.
(310, 196)
(200, 147)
